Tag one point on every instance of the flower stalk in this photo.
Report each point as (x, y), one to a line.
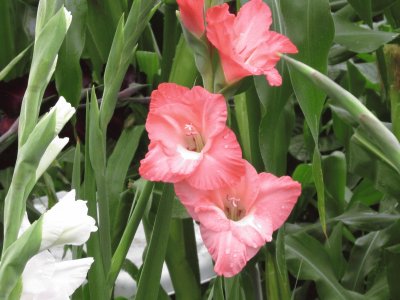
(380, 134)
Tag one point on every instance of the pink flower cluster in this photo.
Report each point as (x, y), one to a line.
(245, 44)
(192, 147)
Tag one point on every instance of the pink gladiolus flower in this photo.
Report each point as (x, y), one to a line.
(245, 44)
(189, 139)
(236, 222)
(192, 14)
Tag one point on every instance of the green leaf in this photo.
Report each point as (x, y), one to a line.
(363, 258)
(276, 124)
(307, 258)
(9, 67)
(68, 72)
(247, 111)
(335, 178)
(320, 187)
(366, 159)
(366, 194)
(14, 259)
(313, 39)
(183, 69)
(119, 256)
(392, 262)
(359, 39)
(363, 218)
(148, 285)
(148, 64)
(334, 248)
(118, 164)
(363, 9)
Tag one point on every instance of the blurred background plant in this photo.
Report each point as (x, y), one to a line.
(341, 241)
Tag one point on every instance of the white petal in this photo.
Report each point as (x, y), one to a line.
(50, 154)
(37, 273)
(67, 222)
(70, 274)
(45, 278)
(64, 111)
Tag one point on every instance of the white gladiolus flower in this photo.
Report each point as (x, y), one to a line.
(67, 223)
(45, 278)
(50, 155)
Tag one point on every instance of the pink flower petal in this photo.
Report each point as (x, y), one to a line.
(192, 14)
(219, 28)
(211, 108)
(276, 198)
(251, 25)
(273, 77)
(245, 44)
(168, 93)
(229, 254)
(167, 124)
(222, 163)
(252, 231)
(155, 165)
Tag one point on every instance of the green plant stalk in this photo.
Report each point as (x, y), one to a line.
(128, 235)
(170, 34)
(381, 135)
(183, 278)
(47, 45)
(148, 285)
(96, 273)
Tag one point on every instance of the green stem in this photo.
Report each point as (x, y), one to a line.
(96, 276)
(381, 135)
(129, 233)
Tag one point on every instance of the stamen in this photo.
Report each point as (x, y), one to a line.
(195, 141)
(232, 208)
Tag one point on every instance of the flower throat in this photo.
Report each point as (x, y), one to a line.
(194, 140)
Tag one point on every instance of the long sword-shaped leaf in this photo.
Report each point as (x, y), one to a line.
(313, 37)
(149, 281)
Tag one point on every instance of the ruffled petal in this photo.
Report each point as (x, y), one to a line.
(168, 93)
(70, 274)
(167, 124)
(222, 163)
(211, 108)
(252, 231)
(251, 25)
(227, 251)
(183, 161)
(219, 27)
(155, 166)
(212, 217)
(276, 198)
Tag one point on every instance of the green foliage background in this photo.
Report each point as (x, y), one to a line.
(342, 240)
